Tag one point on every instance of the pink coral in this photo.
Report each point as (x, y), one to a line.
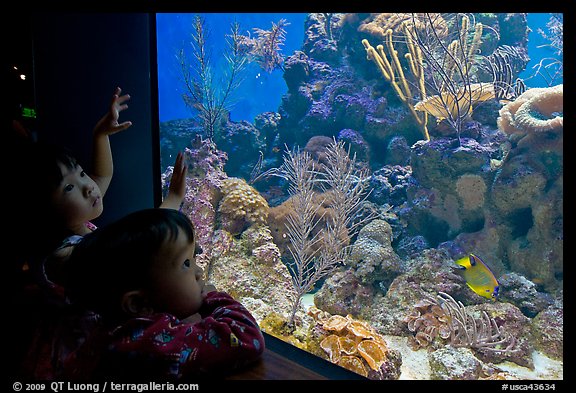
(535, 110)
(203, 184)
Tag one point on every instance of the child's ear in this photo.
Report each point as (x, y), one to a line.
(136, 303)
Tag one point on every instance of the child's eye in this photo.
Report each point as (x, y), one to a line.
(82, 174)
(68, 188)
(187, 264)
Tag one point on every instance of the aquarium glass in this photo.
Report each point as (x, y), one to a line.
(382, 190)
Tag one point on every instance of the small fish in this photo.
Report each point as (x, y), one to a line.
(478, 276)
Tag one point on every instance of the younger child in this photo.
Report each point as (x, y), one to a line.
(139, 274)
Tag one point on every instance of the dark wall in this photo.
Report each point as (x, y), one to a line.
(79, 59)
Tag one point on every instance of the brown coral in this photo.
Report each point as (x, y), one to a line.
(535, 110)
(444, 314)
(241, 206)
(428, 321)
(355, 345)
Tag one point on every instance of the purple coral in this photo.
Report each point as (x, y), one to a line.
(203, 183)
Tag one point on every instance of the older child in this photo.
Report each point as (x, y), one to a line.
(59, 199)
(56, 201)
(140, 275)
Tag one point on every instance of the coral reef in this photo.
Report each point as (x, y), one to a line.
(343, 293)
(372, 257)
(243, 143)
(471, 190)
(203, 182)
(535, 110)
(494, 188)
(262, 284)
(378, 24)
(241, 206)
(389, 184)
(524, 294)
(548, 332)
(450, 363)
(355, 345)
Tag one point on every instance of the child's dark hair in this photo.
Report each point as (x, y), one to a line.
(36, 177)
(116, 259)
(44, 159)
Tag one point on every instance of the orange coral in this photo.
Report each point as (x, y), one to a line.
(352, 363)
(352, 343)
(373, 352)
(336, 323)
(331, 345)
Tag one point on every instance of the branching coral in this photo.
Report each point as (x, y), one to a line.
(441, 62)
(317, 253)
(393, 73)
(467, 331)
(265, 48)
(203, 95)
(536, 110)
(449, 63)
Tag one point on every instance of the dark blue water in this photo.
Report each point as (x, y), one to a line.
(260, 91)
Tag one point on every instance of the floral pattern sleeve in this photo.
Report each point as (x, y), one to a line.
(226, 338)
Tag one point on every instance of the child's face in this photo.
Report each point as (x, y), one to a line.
(77, 199)
(177, 283)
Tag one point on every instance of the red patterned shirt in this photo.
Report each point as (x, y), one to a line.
(226, 338)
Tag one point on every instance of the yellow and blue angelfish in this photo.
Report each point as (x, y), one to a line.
(478, 276)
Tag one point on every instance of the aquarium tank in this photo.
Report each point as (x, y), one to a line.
(382, 190)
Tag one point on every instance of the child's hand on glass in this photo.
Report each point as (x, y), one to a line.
(108, 124)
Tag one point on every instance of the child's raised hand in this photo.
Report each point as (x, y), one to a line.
(108, 124)
(177, 187)
(178, 179)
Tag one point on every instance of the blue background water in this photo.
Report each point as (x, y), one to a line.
(260, 91)
(538, 49)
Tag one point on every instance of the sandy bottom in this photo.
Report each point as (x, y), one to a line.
(415, 364)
